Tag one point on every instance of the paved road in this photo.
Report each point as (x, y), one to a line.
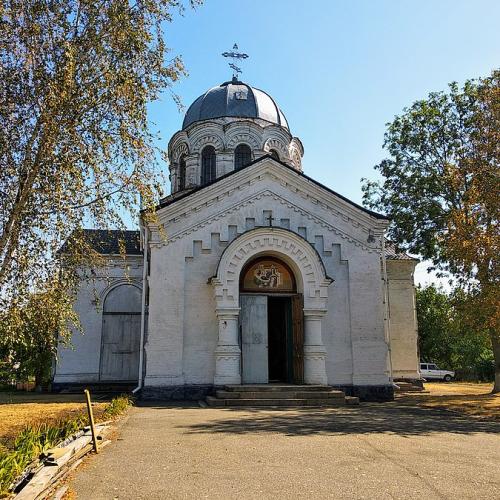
(372, 451)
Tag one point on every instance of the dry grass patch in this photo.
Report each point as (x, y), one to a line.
(470, 398)
(17, 410)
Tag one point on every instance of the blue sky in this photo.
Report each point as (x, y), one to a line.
(339, 70)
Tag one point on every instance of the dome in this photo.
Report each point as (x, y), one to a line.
(236, 99)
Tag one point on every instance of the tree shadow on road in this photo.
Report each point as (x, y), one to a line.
(365, 419)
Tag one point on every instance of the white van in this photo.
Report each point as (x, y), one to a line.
(430, 371)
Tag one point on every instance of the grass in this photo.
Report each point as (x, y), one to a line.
(19, 409)
(464, 397)
(47, 431)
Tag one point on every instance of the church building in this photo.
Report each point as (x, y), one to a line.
(251, 273)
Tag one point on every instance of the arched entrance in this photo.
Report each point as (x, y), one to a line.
(271, 323)
(121, 332)
(311, 281)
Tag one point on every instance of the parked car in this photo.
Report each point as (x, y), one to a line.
(430, 371)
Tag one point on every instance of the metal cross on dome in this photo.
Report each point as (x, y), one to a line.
(236, 57)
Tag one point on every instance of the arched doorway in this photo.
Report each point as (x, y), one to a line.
(311, 280)
(121, 332)
(271, 323)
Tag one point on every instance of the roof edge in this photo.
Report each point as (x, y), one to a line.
(291, 169)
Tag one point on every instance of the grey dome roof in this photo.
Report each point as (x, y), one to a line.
(236, 99)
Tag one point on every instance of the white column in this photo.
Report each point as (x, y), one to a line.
(228, 352)
(225, 162)
(314, 350)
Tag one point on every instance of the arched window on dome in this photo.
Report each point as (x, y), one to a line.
(208, 169)
(274, 154)
(182, 173)
(242, 156)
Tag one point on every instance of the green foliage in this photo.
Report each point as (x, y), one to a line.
(76, 145)
(445, 339)
(76, 148)
(440, 188)
(31, 332)
(29, 444)
(117, 406)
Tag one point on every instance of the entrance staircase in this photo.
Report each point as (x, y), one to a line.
(279, 395)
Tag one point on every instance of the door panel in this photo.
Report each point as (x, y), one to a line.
(298, 338)
(120, 347)
(254, 339)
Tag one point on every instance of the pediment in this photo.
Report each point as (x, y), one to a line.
(269, 179)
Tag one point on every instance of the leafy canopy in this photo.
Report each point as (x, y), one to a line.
(76, 146)
(440, 186)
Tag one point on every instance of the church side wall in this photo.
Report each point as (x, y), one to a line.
(403, 319)
(164, 345)
(80, 362)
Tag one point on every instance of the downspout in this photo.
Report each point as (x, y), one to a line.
(143, 311)
(386, 308)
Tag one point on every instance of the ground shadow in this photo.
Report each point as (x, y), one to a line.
(387, 418)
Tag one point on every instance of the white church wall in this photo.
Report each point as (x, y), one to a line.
(337, 322)
(80, 362)
(198, 229)
(164, 345)
(402, 319)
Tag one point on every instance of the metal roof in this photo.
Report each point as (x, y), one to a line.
(392, 252)
(111, 242)
(235, 99)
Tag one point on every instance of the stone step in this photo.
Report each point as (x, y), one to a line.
(275, 388)
(289, 394)
(407, 387)
(292, 402)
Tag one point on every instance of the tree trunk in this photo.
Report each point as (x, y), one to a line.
(495, 342)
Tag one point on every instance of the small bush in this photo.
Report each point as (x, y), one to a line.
(117, 406)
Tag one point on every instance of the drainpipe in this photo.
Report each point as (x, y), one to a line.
(386, 308)
(143, 310)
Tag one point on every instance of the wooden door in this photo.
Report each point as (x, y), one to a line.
(120, 347)
(254, 340)
(298, 338)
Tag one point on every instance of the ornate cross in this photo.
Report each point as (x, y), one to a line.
(236, 57)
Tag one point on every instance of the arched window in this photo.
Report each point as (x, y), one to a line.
(208, 165)
(242, 156)
(121, 334)
(274, 154)
(182, 173)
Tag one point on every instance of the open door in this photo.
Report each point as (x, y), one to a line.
(254, 339)
(298, 338)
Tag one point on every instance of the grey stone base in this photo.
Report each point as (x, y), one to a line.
(108, 387)
(177, 392)
(197, 392)
(371, 393)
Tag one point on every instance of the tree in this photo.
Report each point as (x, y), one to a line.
(445, 338)
(75, 141)
(31, 331)
(440, 188)
(435, 326)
